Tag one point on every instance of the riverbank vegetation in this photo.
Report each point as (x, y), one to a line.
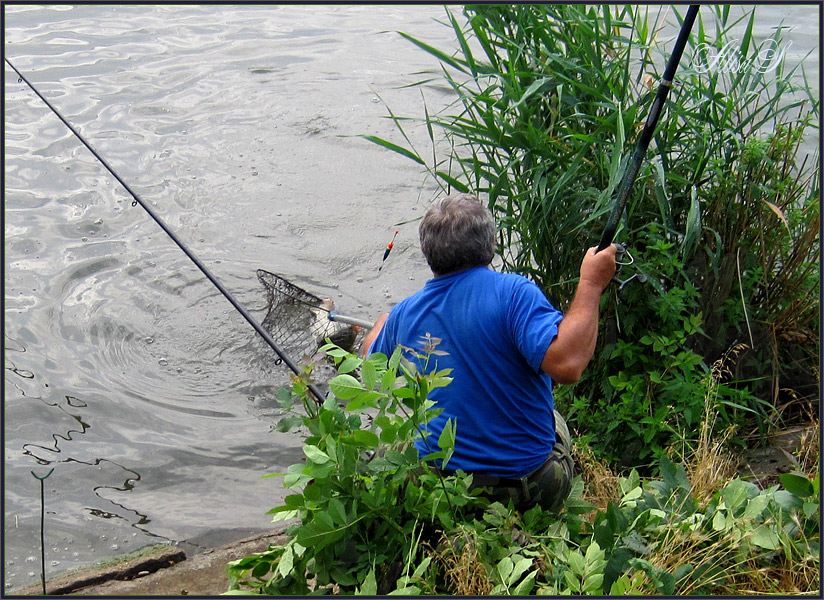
(371, 518)
(709, 346)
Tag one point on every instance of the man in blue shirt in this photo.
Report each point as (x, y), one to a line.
(506, 345)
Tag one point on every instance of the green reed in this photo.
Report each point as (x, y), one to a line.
(723, 218)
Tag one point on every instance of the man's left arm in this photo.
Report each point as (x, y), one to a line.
(373, 334)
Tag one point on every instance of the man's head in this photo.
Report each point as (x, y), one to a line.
(457, 232)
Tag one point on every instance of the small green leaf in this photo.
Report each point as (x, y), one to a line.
(786, 500)
(363, 399)
(682, 571)
(446, 441)
(594, 553)
(286, 562)
(283, 515)
(285, 398)
(369, 374)
(345, 387)
(395, 360)
(395, 148)
(734, 494)
(388, 381)
(459, 186)
(665, 582)
(797, 484)
(293, 501)
(692, 233)
(288, 423)
(719, 521)
(323, 471)
(316, 455)
(403, 392)
(362, 437)
(674, 475)
(525, 587)
(578, 507)
(756, 506)
(576, 562)
(337, 511)
(573, 583)
(411, 590)
(334, 351)
(504, 569)
(389, 433)
(632, 495)
(279, 509)
(318, 533)
(439, 381)
(421, 568)
(370, 585)
(766, 538)
(261, 569)
(434, 456)
(349, 364)
(520, 567)
(592, 583)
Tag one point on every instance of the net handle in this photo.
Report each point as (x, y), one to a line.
(333, 316)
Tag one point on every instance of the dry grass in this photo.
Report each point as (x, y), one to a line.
(710, 465)
(678, 548)
(600, 483)
(730, 576)
(464, 573)
(809, 451)
(782, 579)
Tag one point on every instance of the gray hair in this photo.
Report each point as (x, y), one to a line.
(457, 232)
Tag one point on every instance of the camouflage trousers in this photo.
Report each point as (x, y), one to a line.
(548, 486)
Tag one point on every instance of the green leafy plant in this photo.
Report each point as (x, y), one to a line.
(365, 502)
(657, 529)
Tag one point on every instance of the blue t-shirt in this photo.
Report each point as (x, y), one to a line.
(495, 329)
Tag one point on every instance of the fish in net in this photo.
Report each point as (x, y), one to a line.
(300, 321)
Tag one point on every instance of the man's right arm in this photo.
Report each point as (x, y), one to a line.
(373, 334)
(574, 345)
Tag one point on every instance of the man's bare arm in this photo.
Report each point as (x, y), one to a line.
(572, 349)
(373, 333)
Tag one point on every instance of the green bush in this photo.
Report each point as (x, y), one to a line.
(363, 498)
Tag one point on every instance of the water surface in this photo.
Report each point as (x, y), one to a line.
(125, 369)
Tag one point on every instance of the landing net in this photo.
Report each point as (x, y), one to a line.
(299, 321)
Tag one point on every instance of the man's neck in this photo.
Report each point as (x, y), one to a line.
(434, 274)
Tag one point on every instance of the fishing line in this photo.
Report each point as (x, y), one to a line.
(319, 397)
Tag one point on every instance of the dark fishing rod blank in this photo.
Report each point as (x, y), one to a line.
(649, 128)
(319, 397)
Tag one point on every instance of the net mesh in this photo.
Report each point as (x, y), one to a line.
(299, 321)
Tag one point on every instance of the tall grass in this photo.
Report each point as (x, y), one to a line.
(723, 219)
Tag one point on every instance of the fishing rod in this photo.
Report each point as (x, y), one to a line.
(649, 129)
(319, 397)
